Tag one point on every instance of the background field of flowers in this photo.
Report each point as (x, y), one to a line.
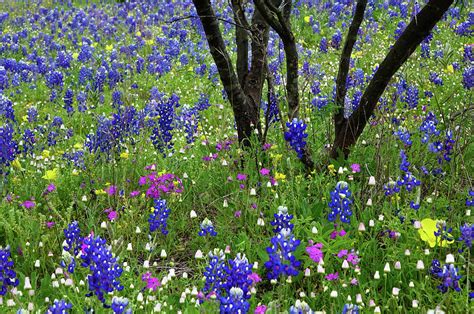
(123, 187)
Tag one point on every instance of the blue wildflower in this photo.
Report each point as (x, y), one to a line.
(159, 216)
(8, 147)
(467, 234)
(7, 274)
(281, 255)
(340, 203)
(207, 228)
(296, 136)
(105, 271)
(119, 306)
(468, 77)
(6, 108)
(59, 307)
(282, 220)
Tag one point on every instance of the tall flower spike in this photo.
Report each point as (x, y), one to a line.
(296, 136)
(7, 274)
(340, 203)
(59, 307)
(159, 217)
(105, 271)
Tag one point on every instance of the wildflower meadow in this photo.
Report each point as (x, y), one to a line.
(260, 156)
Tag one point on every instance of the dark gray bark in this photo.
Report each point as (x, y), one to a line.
(245, 117)
(341, 88)
(420, 27)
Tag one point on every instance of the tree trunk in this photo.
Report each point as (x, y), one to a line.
(241, 40)
(341, 87)
(244, 114)
(416, 31)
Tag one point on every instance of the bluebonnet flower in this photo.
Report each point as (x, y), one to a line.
(336, 40)
(230, 282)
(323, 45)
(399, 30)
(296, 136)
(340, 203)
(162, 135)
(412, 96)
(28, 141)
(467, 234)
(435, 267)
(404, 164)
(159, 216)
(428, 127)
(189, 120)
(105, 271)
(391, 188)
(470, 199)
(234, 302)
(6, 108)
(207, 228)
(443, 232)
(119, 306)
(63, 59)
(52, 135)
(403, 135)
(282, 220)
(435, 79)
(85, 75)
(59, 307)
(73, 238)
(68, 100)
(81, 101)
(3, 79)
(32, 114)
(425, 50)
(468, 77)
(117, 99)
(409, 181)
(300, 307)
(271, 109)
(468, 56)
(350, 309)
(85, 54)
(7, 274)
(54, 79)
(8, 147)
(449, 276)
(281, 255)
(319, 102)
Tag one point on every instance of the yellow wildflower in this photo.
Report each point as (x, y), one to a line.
(16, 164)
(427, 230)
(51, 175)
(45, 153)
(280, 176)
(450, 68)
(332, 169)
(124, 155)
(307, 18)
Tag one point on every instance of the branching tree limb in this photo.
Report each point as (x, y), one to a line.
(341, 86)
(415, 32)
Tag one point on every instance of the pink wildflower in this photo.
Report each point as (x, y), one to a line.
(28, 204)
(315, 252)
(355, 168)
(332, 277)
(261, 309)
(255, 277)
(264, 172)
(241, 177)
(151, 282)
